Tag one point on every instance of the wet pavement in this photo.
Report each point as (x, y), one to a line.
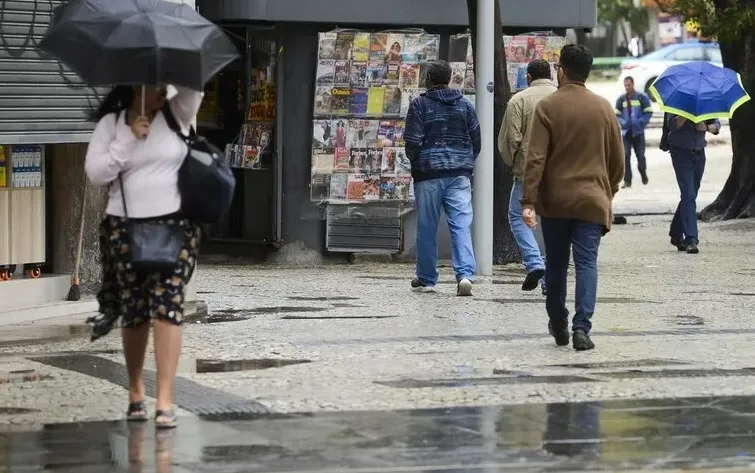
(700, 434)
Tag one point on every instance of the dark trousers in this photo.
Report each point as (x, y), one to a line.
(638, 143)
(581, 239)
(689, 166)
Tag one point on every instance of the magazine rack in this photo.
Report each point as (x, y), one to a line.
(22, 210)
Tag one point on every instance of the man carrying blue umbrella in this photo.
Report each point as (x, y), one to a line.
(634, 111)
(694, 96)
(687, 147)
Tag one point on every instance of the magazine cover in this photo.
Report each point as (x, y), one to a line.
(423, 73)
(358, 161)
(375, 101)
(458, 71)
(322, 134)
(361, 51)
(457, 48)
(342, 74)
(385, 133)
(322, 160)
(388, 166)
(404, 189)
(430, 47)
(325, 72)
(320, 187)
(387, 188)
(395, 47)
(393, 73)
(378, 46)
(358, 101)
(403, 165)
(327, 48)
(256, 134)
(355, 189)
(342, 159)
(344, 45)
(406, 99)
(398, 133)
(412, 48)
(358, 74)
(323, 99)
(392, 101)
(251, 157)
(469, 78)
(374, 160)
(339, 102)
(362, 134)
(338, 186)
(339, 133)
(376, 72)
(409, 75)
(371, 187)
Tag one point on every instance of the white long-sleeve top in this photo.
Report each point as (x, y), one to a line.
(149, 167)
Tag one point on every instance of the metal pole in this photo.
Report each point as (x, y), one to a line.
(482, 198)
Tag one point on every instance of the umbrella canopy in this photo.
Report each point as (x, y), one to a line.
(699, 91)
(136, 42)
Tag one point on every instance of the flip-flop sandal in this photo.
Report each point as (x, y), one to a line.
(170, 423)
(137, 412)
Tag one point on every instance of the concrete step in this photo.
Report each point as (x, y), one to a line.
(45, 311)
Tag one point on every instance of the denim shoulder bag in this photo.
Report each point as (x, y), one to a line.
(154, 246)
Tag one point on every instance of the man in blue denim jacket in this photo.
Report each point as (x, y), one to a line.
(687, 147)
(634, 112)
(442, 138)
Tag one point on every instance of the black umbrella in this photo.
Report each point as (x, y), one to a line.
(136, 42)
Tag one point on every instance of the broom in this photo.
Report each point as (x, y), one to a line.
(74, 294)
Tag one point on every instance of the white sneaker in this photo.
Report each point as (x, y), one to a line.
(464, 288)
(420, 287)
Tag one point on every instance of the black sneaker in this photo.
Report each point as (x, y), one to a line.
(679, 244)
(626, 185)
(533, 279)
(561, 337)
(582, 341)
(645, 180)
(418, 286)
(692, 249)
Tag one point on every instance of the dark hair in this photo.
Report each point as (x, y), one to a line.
(629, 78)
(439, 72)
(539, 69)
(119, 98)
(576, 61)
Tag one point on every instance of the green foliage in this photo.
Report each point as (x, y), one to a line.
(613, 11)
(727, 20)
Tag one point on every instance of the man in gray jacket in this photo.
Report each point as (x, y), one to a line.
(513, 140)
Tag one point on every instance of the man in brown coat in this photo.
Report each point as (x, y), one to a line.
(575, 163)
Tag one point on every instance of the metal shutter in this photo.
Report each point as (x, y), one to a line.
(363, 228)
(40, 100)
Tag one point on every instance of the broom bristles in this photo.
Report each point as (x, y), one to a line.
(74, 294)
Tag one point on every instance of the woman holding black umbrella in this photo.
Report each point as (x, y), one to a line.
(159, 171)
(135, 152)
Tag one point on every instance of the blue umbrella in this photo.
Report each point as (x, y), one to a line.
(699, 91)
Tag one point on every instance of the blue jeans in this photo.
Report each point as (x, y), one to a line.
(581, 238)
(638, 143)
(454, 194)
(524, 236)
(689, 166)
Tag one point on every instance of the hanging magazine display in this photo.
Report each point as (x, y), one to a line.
(520, 51)
(365, 83)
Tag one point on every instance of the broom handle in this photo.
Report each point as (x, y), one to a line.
(81, 229)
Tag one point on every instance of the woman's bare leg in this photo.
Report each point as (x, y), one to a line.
(167, 352)
(134, 349)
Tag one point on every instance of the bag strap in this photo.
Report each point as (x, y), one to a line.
(123, 195)
(170, 119)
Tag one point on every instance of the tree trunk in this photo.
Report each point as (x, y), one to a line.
(505, 249)
(737, 198)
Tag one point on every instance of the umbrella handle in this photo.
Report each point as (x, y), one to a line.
(144, 97)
